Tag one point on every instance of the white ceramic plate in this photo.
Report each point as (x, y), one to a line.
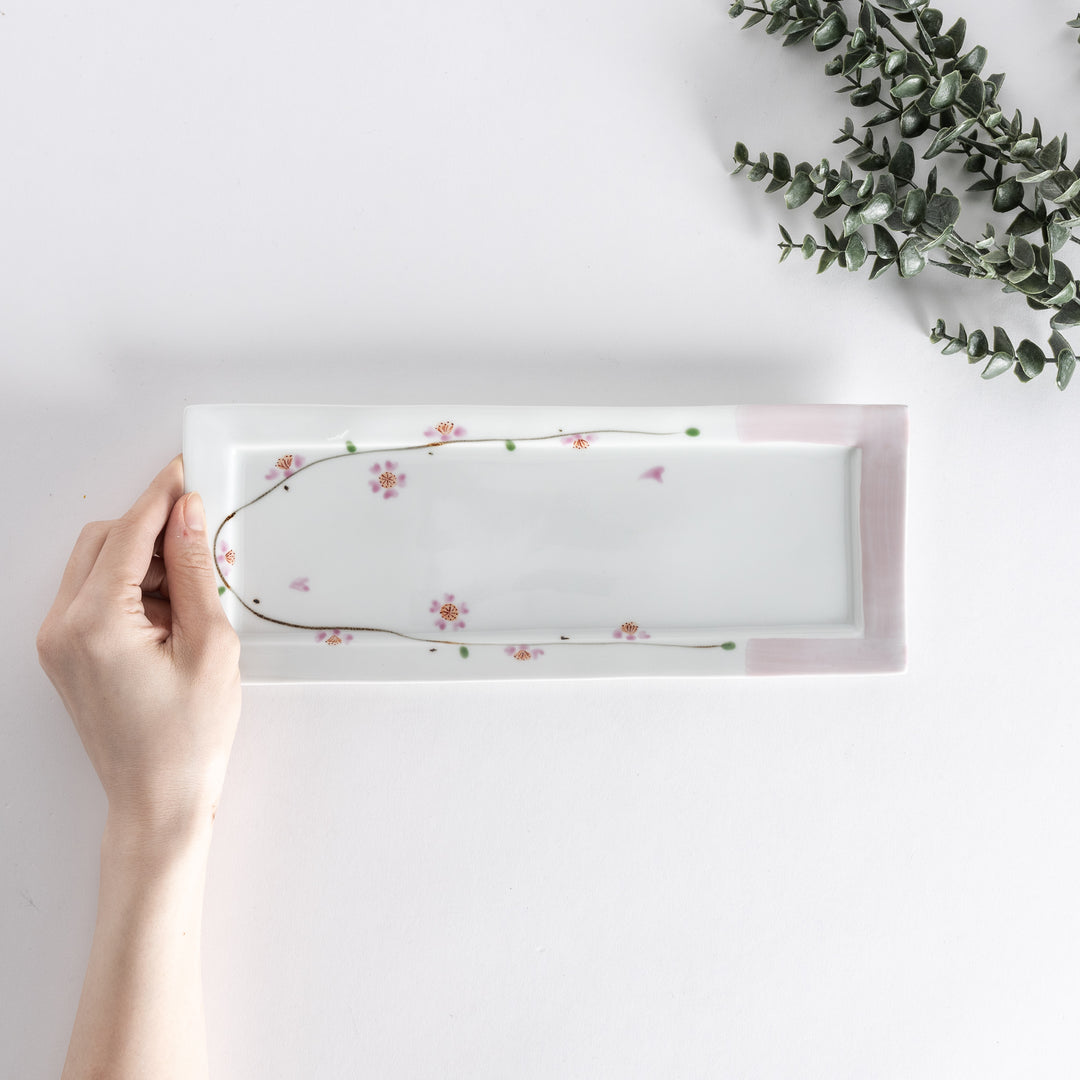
(357, 544)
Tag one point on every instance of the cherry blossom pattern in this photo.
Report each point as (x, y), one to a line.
(300, 584)
(579, 442)
(226, 558)
(523, 652)
(449, 612)
(334, 637)
(630, 631)
(444, 431)
(655, 473)
(287, 464)
(387, 479)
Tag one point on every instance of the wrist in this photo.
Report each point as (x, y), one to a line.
(155, 840)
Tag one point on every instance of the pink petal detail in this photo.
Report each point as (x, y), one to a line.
(656, 473)
(440, 624)
(509, 650)
(618, 633)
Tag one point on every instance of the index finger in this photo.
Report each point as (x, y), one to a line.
(129, 546)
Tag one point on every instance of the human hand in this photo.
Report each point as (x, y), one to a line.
(146, 662)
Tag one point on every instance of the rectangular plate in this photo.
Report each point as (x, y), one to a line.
(419, 543)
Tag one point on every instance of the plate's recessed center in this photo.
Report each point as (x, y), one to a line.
(668, 536)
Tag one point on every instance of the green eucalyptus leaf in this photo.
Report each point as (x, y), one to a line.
(947, 92)
(1025, 222)
(957, 32)
(910, 87)
(973, 96)
(913, 123)
(977, 346)
(914, 208)
(880, 267)
(911, 260)
(902, 164)
(742, 155)
(1067, 316)
(1066, 365)
(781, 167)
(1064, 296)
(809, 246)
(867, 94)
(1031, 357)
(1050, 157)
(1002, 344)
(831, 31)
(1023, 148)
(1057, 235)
(998, 364)
(942, 210)
(877, 209)
(855, 251)
(828, 257)
(895, 63)
(971, 63)
(1021, 253)
(944, 47)
(801, 189)
(1008, 195)
(884, 243)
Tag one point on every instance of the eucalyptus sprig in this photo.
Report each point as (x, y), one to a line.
(898, 59)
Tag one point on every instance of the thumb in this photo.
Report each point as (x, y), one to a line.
(189, 567)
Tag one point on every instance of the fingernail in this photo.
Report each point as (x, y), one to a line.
(194, 513)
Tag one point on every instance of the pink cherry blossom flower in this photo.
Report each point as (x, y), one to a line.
(444, 431)
(450, 612)
(226, 557)
(333, 637)
(523, 652)
(287, 464)
(579, 442)
(387, 480)
(630, 631)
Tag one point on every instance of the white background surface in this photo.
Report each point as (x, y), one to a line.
(491, 203)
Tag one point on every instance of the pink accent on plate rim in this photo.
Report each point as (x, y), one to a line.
(881, 433)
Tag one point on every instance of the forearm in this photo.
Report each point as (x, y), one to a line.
(141, 1011)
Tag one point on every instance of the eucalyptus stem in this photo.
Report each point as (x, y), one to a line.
(930, 87)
